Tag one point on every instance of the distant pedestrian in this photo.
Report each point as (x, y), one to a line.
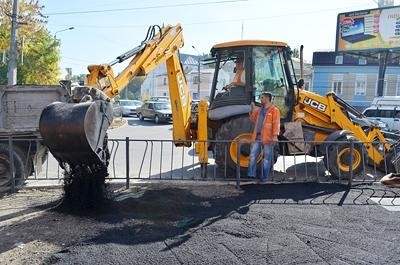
(265, 134)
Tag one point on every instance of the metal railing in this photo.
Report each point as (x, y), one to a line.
(135, 159)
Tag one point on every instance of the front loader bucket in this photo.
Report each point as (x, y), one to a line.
(75, 133)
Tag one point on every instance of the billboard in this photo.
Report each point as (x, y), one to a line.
(366, 30)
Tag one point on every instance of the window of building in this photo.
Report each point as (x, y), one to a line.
(165, 81)
(339, 59)
(196, 79)
(337, 87)
(360, 85)
(398, 86)
(337, 84)
(307, 85)
(165, 94)
(362, 61)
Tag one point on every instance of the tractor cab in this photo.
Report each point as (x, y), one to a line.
(245, 69)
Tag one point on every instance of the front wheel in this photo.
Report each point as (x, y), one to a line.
(157, 119)
(338, 158)
(141, 117)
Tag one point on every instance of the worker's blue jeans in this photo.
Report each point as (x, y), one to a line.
(267, 161)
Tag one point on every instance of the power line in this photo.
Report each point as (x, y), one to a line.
(143, 8)
(219, 21)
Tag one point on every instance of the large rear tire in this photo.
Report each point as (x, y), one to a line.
(225, 150)
(21, 165)
(337, 159)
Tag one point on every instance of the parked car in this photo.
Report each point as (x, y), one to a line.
(129, 107)
(195, 105)
(156, 110)
(365, 123)
(117, 110)
(386, 101)
(385, 113)
(159, 98)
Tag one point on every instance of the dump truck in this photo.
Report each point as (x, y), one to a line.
(75, 132)
(21, 107)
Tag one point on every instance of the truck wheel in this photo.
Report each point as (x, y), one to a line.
(226, 152)
(337, 159)
(21, 172)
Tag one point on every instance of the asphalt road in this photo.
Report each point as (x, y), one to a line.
(267, 224)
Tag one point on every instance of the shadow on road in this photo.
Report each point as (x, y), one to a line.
(172, 215)
(171, 212)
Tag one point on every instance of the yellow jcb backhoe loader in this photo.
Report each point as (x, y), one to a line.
(76, 132)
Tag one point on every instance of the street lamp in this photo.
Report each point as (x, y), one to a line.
(198, 71)
(70, 28)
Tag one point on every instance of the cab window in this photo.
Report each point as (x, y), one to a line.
(269, 76)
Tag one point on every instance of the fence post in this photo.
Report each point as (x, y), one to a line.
(127, 161)
(238, 164)
(351, 162)
(12, 166)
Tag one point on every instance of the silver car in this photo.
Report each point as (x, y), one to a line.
(129, 107)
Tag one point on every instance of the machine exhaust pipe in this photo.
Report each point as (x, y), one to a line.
(301, 62)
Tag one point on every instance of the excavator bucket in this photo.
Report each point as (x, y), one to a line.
(75, 132)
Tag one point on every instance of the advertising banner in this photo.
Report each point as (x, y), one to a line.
(373, 29)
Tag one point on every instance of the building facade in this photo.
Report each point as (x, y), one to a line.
(198, 79)
(354, 79)
(156, 83)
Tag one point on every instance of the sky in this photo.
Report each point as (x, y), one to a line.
(119, 25)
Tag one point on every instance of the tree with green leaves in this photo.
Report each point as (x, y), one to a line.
(41, 54)
(132, 90)
(296, 53)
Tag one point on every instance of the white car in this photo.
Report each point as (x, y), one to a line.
(387, 114)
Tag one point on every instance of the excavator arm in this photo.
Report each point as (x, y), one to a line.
(157, 48)
(76, 132)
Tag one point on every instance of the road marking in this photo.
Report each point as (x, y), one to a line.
(390, 204)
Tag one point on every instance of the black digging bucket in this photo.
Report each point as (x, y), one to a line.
(75, 132)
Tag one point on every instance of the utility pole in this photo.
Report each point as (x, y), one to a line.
(198, 71)
(242, 33)
(12, 66)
